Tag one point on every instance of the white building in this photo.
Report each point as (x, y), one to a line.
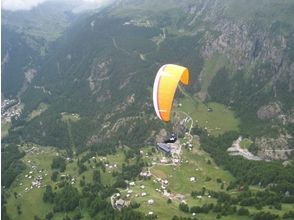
(150, 202)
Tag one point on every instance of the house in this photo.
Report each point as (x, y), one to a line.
(143, 174)
(150, 202)
(120, 203)
(164, 147)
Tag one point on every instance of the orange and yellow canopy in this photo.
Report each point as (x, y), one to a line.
(165, 85)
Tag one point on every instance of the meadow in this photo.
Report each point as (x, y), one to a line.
(195, 163)
(5, 129)
(213, 117)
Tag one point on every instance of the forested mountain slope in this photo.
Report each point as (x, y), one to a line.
(84, 86)
(105, 68)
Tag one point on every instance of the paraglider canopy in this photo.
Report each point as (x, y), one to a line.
(165, 85)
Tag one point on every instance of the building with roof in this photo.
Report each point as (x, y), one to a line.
(164, 148)
(172, 139)
(120, 203)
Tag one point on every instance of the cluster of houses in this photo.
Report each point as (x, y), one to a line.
(37, 181)
(6, 103)
(145, 174)
(118, 202)
(163, 185)
(172, 151)
(9, 109)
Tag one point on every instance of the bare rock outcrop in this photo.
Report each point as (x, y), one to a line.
(273, 148)
(270, 111)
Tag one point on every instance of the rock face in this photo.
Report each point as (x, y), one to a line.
(98, 74)
(270, 111)
(245, 42)
(106, 71)
(273, 148)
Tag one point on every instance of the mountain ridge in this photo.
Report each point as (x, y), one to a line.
(114, 55)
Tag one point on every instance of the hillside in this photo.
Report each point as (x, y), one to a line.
(109, 62)
(84, 89)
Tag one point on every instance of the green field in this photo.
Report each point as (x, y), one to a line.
(218, 120)
(70, 117)
(246, 143)
(42, 158)
(211, 66)
(196, 163)
(5, 129)
(41, 108)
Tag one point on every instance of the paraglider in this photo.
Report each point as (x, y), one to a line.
(164, 88)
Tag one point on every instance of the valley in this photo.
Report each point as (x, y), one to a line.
(196, 172)
(82, 142)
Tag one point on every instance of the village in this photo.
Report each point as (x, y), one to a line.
(168, 153)
(156, 183)
(10, 108)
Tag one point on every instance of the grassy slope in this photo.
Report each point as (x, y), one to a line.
(179, 182)
(245, 143)
(218, 121)
(211, 66)
(68, 119)
(4, 129)
(195, 164)
(42, 159)
(31, 202)
(40, 109)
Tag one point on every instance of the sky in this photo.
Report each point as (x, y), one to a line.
(14, 5)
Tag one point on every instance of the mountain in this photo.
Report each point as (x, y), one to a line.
(34, 31)
(85, 90)
(104, 69)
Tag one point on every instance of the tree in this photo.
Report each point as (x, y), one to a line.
(67, 199)
(37, 217)
(49, 216)
(184, 207)
(289, 215)
(96, 176)
(243, 211)
(264, 216)
(48, 195)
(19, 212)
(59, 163)
(54, 176)
(97, 205)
